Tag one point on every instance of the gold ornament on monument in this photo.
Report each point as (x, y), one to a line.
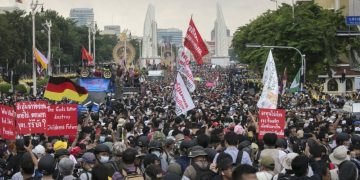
(85, 73)
(119, 52)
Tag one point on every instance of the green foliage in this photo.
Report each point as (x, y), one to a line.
(312, 31)
(4, 88)
(66, 41)
(42, 82)
(21, 88)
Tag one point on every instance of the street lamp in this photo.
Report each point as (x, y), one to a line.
(48, 26)
(93, 28)
(33, 7)
(303, 60)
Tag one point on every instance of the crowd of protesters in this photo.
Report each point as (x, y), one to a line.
(140, 137)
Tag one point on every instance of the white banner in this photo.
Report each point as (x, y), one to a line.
(184, 68)
(182, 98)
(270, 92)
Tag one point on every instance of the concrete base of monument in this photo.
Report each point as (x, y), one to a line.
(221, 61)
(144, 62)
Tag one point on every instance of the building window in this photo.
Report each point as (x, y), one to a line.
(349, 85)
(332, 85)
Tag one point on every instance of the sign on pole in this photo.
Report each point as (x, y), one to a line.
(7, 123)
(271, 121)
(352, 20)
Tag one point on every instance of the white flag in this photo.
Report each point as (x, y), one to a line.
(270, 92)
(182, 98)
(184, 68)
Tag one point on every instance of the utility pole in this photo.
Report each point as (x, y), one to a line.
(94, 32)
(33, 7)
(48, 26)
(89, 28)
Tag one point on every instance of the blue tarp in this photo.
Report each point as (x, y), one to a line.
(95, 84)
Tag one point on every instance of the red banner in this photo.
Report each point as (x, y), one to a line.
(7, 122)
(31, 117)
(271, 121)
(194, 42)
(62, 119)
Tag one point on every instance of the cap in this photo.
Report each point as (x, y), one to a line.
(339, 155)
(39, 150)
(47, 163)
(101, 148)
(169, 141)
(143, 141)
(197, 151)
(60, 145)
(186, 144)
(88, 157)
(75, 151)
(118, 148)
(66, 165)
(267, 162)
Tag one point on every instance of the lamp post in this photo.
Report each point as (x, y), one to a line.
(33, 7)
(94, 33)
(303, 60)
(48, 26)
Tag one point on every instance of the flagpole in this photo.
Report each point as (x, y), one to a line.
(33, 7)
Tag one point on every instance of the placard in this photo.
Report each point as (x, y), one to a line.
(31, 117)
(271, 121)
(62, 119)
(7, 122)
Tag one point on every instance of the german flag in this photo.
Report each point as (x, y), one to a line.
(59, 88)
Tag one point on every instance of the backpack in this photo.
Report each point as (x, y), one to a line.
(125, 174)
(238, 158)
(281, 176)
(202, 174)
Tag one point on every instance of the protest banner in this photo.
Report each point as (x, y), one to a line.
(7, 122)
(31, 117)
(271, 121)
(62, 119)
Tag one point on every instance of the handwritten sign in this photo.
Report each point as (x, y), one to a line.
(271, 121)
(62, 119)
(31, 117)
(7, 122)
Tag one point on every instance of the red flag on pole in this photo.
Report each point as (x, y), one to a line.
(194, 42)
(85, 55)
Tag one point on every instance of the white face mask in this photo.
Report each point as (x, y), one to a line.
(338, 130)
(104, 159)
(102, 139)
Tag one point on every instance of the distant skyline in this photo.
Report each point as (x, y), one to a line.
(168, 13)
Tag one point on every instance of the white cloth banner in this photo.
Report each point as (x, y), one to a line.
(184, 68)
(182, 98)
(270, 92)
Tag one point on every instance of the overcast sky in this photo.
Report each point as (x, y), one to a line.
(130, 14)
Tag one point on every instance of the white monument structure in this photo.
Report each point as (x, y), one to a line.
(149, 51)
(221, 56)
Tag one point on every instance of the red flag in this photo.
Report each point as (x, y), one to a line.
(85, 55)
(194, 42)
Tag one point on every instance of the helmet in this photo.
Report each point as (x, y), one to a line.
(155, 145)
(101, 148)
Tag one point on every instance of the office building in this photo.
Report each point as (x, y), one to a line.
(170, 36)
(82, 16)
(111, 30)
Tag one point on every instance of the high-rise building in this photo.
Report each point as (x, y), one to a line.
(111, 30)
(170, 36)
(82, 16)
(351, 7)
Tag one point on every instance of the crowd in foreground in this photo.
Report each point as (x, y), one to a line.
(140, 137)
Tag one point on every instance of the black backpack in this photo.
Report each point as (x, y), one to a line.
(203, 174)
(238, 158)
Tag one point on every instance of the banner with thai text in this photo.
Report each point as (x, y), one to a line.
(271, 121)
(62, 119)
(184, 68)
(183, 101)
(31, 117)
(7, 122)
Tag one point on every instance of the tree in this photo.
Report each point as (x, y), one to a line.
(313, 31)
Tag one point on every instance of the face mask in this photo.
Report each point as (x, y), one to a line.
(338, 130)
(157, 153)
(104, 159)
(102, 139)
